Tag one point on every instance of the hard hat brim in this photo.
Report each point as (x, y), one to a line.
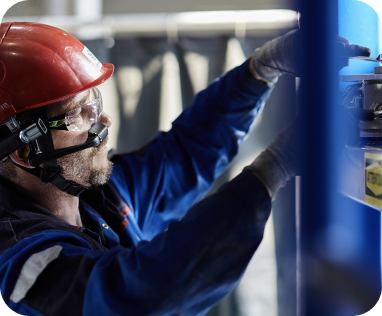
(107, 72)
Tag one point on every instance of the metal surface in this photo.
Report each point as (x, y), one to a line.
(378, 70)
(319, 22)
(339, 239)
(359, 213)
(353, 177)
(367, 110)
(378, 59)
(360, 78)
(377, 75)
(372, 95)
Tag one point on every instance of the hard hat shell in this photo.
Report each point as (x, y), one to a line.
(41, 64)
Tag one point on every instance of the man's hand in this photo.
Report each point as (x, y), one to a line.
(280, 161)
(283, 55)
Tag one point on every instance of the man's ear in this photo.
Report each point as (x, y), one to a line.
(20, 157)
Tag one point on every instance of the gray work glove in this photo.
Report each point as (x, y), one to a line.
(280, 161)
(283, 55)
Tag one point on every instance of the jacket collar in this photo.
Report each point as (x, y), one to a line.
(13, 202)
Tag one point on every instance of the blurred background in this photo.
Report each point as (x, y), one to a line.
(165, 51)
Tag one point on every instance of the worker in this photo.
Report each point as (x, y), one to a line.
(84, 235)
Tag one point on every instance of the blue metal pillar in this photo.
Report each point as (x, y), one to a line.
(331, 280)
(319, 22)
(359, 23)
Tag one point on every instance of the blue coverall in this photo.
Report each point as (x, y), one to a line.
(149, 247)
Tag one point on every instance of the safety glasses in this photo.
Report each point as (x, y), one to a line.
(81, 118)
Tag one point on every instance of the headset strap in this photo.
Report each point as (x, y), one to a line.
(51, 172)
(50, 175)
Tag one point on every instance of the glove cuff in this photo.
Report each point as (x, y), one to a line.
(268, 169)
(261, 67)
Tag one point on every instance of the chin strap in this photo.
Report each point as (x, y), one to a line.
(52, 175)
(51, 172)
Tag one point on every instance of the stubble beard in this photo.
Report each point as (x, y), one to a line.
(79, 167)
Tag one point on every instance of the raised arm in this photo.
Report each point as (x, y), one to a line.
(162, 180)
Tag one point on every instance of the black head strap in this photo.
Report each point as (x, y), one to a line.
(52, 176)
(51, 172)
(46, 141)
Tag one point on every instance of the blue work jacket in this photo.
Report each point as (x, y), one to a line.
(149, 245)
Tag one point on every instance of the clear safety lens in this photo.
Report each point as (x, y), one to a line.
(84, 117)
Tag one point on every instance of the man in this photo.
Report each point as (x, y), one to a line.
(74, 243)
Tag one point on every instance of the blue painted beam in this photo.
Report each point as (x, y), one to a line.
(316, 101)
(338, 266)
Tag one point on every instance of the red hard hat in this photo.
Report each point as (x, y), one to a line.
(41, 64)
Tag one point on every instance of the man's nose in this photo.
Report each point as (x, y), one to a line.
(105, 119)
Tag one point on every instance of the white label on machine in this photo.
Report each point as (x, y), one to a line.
(373, 179)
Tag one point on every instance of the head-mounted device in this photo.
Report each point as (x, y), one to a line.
(53, 66)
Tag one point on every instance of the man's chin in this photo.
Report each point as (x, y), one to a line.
(100, 176)
(99, 157)
(87, 168)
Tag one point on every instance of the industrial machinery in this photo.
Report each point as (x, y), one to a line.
(361, 160)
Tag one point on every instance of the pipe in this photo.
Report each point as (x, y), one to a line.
(150, 24)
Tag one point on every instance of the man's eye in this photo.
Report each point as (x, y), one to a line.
(74, 112)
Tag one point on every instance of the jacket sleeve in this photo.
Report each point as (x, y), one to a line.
(182, 271)
(164, 179)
